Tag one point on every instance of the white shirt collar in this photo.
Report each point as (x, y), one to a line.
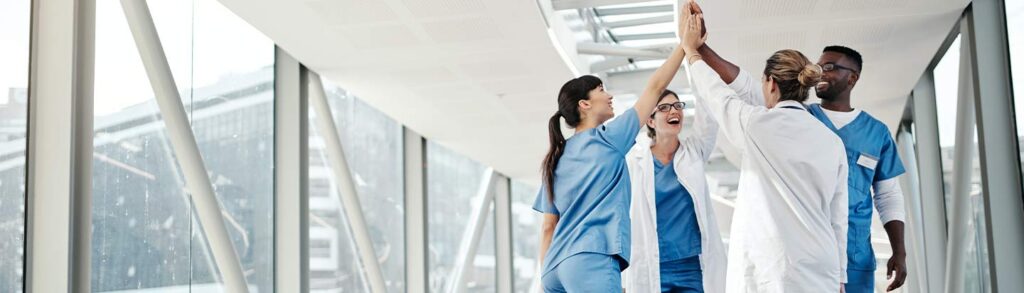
(790, 103)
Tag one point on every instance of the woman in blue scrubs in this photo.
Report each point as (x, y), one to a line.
(585, 239)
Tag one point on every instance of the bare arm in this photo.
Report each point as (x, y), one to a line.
(725, 69)
(896, 268)
(889, 202)
(547, 229)
(664, 74)
(658, 83)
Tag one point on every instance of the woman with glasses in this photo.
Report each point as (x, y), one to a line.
(676, 242)
(585, 197)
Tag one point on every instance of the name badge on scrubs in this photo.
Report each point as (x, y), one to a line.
(867, 161)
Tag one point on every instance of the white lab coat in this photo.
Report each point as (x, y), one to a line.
(643, 274)
(789, 228)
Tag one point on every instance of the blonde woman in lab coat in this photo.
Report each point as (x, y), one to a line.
(677, 245)
(789, 228)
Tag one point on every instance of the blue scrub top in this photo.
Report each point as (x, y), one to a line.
(872, 156)
(592, 193)
(678, 233)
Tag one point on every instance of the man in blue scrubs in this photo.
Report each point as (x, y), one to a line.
(874, 163)
(871, 154)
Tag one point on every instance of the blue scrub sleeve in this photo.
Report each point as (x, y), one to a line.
(889, 164)
(621, 132)
(543, 204)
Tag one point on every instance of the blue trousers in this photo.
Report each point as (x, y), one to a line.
(858, 281)
(585, 272)
(682, 276)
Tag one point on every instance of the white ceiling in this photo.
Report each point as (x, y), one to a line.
(481, 77)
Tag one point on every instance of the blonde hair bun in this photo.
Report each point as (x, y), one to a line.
(810, 75)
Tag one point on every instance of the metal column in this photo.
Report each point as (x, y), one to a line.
(997, 144)
(58, 189)
(415, 212)
(912, 193)
(503, 233)
(929, 163)
(184, 143)
(471, 237)
(963, 164)
(346, 187)
(291, 175)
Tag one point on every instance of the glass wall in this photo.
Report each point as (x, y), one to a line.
(1015, 33)
(947, 81)
(373, 147)
(14, 43)
(525, 236)
(145, 233)
(452, 184)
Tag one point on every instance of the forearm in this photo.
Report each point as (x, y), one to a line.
(659, 81)
(545, 243)
(547, 230)
(725, 69)
(895, 231)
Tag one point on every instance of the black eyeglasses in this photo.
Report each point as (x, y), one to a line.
(833, 67)
(667, 107)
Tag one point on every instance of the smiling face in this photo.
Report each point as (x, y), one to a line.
(668, 123)
(598, 105)
(840, 79)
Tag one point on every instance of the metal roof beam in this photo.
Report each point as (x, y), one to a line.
(580, 4)
(640, 21)
(648, 36)
(634, 10)
(617, 50)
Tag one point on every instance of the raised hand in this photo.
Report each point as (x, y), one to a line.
(690, 37)
(685, 12)
(695, 9)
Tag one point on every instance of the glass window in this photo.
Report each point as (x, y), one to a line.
(14, 43)
(452, 184)
(373, 147)
(947, 82)
(145, 234)
(1015, 32)
(525, 236)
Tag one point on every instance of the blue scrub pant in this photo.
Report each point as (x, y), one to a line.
(858, 281)
(585, 272)
(682, 276)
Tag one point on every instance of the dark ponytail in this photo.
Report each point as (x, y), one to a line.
(568, 100)
(557, 141)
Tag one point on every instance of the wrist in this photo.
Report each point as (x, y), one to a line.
(693, 58)
(898, 249)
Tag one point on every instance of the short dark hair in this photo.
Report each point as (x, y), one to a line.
(849, 53)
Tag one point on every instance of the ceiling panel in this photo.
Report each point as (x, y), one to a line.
(480, 77)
